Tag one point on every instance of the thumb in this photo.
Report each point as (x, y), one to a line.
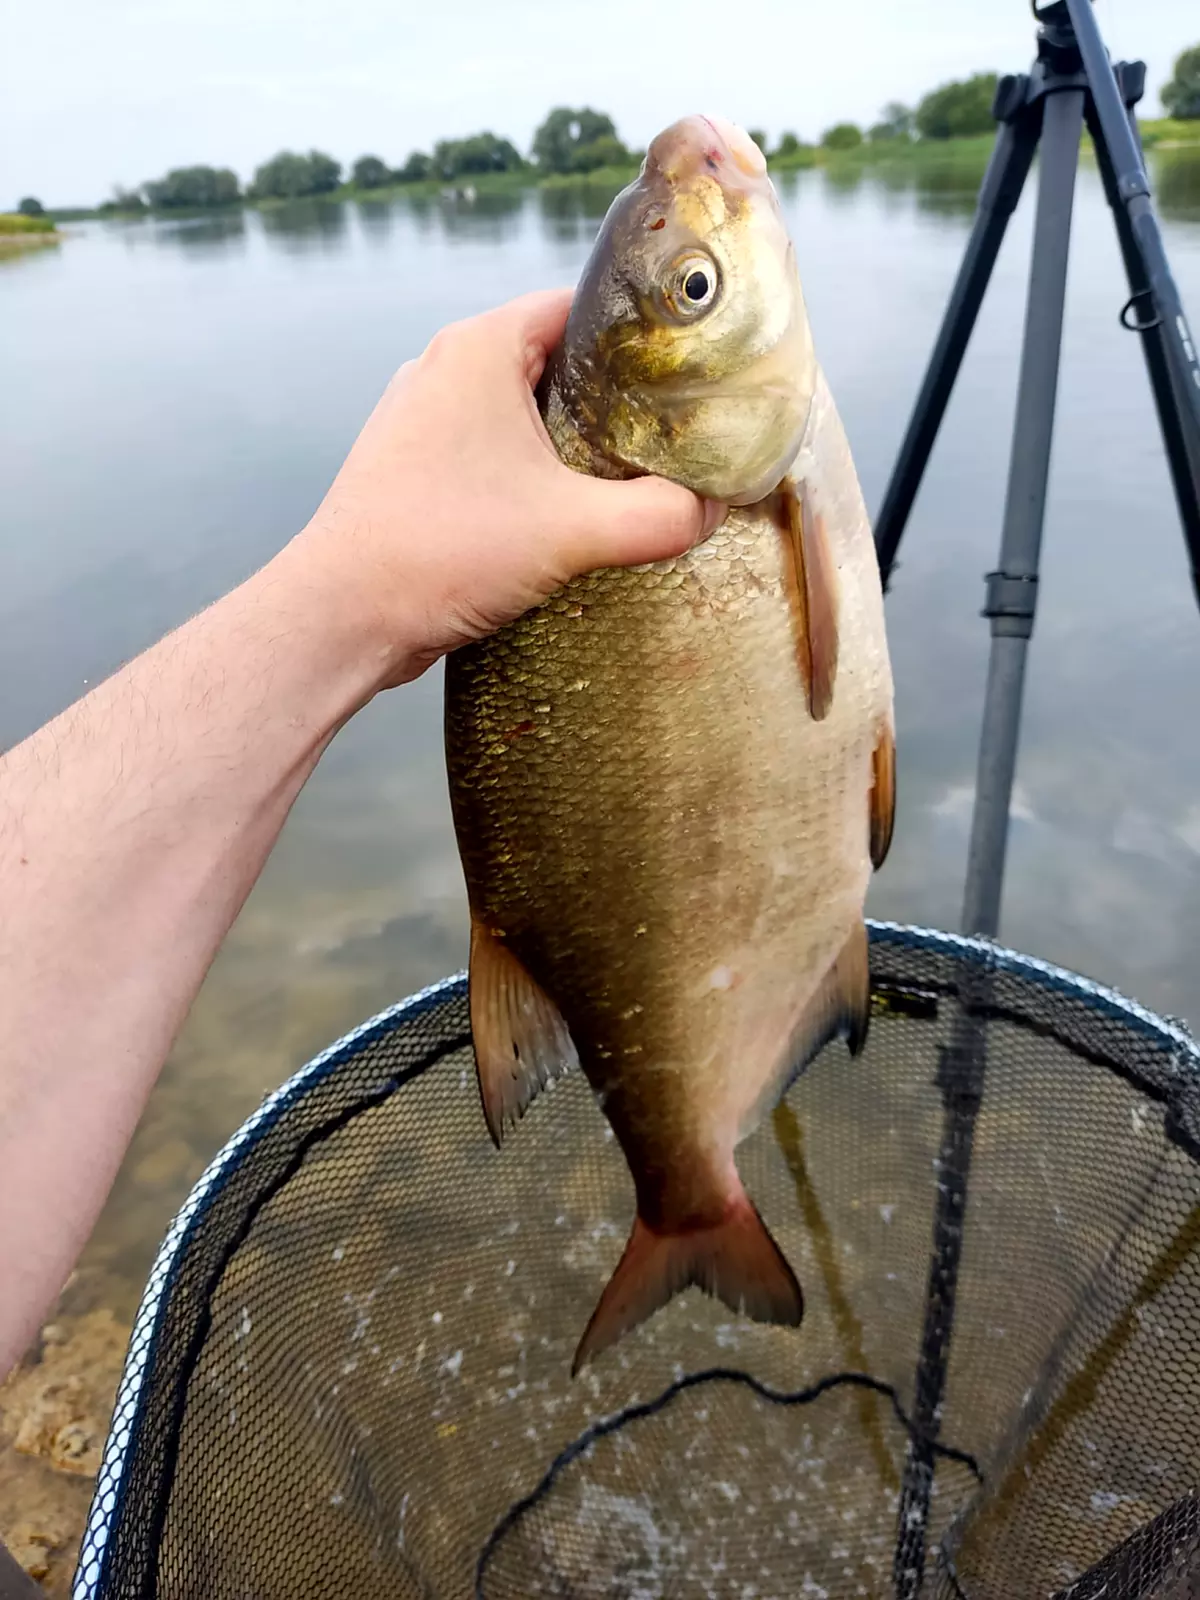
(641, 519)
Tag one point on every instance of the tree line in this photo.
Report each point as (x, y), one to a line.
(579, 141)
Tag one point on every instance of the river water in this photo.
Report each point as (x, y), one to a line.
(178, 396)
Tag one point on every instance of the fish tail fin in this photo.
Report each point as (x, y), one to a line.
(734, 1259)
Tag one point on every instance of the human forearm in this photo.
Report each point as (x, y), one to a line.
(131, 830)
(133, 827)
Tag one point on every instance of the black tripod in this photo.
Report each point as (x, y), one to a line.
(1071, 81)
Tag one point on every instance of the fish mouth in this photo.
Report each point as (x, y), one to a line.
(696, 146)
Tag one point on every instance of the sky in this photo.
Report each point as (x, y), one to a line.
(97, 94)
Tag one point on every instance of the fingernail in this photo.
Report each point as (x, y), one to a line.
(715, 513)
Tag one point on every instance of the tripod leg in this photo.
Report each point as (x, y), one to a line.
(1182, 442)
(1012, 591)
(1010, 607)
(1133, 189)
(998, 196)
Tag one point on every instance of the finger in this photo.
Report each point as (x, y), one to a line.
(535, 323)
(644, 519)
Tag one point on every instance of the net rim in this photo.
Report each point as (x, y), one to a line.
(982, 953)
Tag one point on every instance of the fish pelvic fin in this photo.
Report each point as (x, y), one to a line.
(841, 1006)
(521, 1041)
(839, 1009)
(814, 592)
(734, 1259)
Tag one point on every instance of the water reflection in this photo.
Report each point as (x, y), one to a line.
(306, 224)
(377, 220)
(206, 235)
(491, 218)
(1176, 178)
(939, 188)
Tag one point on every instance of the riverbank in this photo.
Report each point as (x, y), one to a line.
(19, 233)
(1161, 134)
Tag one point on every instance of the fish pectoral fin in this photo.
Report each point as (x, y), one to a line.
(840, 1007)
(521, 1041)
(736, 1260)
(814, 592)
(883, 796)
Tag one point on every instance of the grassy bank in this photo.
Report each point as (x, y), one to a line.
(13, 223)
(19, 233)
(1170, 132)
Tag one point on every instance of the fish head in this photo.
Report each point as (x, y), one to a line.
(688, 351)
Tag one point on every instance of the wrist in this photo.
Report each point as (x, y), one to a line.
(344, 646)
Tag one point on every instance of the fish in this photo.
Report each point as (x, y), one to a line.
(671, 783)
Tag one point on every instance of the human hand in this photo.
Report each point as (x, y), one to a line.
(453, 514)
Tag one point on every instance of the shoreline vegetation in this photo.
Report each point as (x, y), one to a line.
(951, 124)
(20, 231)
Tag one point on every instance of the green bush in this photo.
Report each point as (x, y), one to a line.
(578, 141)
(369, 172)
(958, 110)
(289, 176)
(193, 186)
(417, 169)
(481, 152)
(124, 202)
(896, 121)
(31, 207)
(842, 136)
(1181, 97)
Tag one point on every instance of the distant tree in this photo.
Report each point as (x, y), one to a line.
(288, 176)
(1181, 97)
(788, 145)
(958, 110)
(31, 207)
(481, 152)
(370, 173)
(842, 136)
(123, 200)
(193, 186)
(416, 169)
(559, 145)
(606, 151)
(759, 138)
(896, 121)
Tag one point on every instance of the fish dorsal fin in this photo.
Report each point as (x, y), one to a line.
(883, 796)
(814, 593)
(521, 1040)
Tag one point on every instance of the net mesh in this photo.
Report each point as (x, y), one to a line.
(351, 1370)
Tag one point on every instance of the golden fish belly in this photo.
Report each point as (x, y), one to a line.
(654, 825)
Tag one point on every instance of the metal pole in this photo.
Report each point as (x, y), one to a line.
(999, 193)
(1010, 606)
(1012, 591)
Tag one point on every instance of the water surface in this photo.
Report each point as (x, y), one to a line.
(179, 394)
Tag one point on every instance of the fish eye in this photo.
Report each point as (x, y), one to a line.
(693, 285)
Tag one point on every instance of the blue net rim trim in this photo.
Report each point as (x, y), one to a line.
(985, 955)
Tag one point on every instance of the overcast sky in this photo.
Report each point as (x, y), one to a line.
(99, 92)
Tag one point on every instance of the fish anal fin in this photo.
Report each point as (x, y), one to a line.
(735, 1259)
(521, 1041)
(883, 796)
(814, 592)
